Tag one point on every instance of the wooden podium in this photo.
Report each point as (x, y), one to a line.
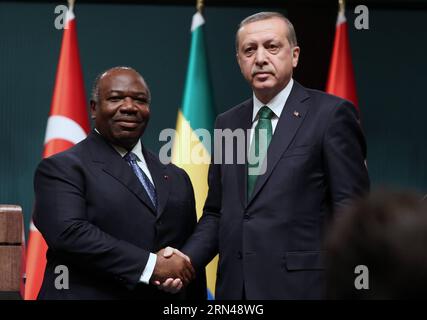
(11, 250)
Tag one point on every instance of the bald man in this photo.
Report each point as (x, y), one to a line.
(108, 205)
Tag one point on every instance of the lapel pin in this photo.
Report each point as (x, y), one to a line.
(297, 114)
(166, 177)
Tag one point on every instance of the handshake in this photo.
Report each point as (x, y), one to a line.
(173, 270)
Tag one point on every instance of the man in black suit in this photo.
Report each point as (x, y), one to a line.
(108, 204)
(268, 227)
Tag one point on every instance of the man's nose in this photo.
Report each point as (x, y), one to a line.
(260, 57)
(128, 104)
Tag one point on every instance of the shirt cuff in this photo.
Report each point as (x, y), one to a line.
(149, 268)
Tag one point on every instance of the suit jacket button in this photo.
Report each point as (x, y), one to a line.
(246, 216)
(239, 255)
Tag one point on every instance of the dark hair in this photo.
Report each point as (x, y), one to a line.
(292, 37)
(387, 233)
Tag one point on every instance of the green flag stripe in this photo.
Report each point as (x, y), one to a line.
(198, 105)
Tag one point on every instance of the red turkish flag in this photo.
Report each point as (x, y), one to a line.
(68, 124)
(341, 80)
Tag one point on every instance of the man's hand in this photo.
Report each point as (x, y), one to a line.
(171, 285)
(169, 251)
(172, 271)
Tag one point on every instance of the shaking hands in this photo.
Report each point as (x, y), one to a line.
(173, 270)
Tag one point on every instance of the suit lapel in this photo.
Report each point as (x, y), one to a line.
(160, 178)
(244, 121)
(290, 120)
(114, 165)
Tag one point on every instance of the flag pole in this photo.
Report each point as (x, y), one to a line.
(200, 5)
(341, 81)
(341, 4)
(70, 4)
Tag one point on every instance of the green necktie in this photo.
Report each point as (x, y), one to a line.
(261, 140)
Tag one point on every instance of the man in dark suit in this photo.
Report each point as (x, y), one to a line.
(108, 204)
(268, 227)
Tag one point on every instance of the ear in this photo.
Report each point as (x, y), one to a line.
(295, 56)
(92, 109)
(238, 60)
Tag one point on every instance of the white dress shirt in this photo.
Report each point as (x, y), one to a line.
(137, 150)
(276, 105)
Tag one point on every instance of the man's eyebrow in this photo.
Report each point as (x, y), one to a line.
(115, 91)
(139, 93)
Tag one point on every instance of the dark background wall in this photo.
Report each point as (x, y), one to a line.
(389, 61)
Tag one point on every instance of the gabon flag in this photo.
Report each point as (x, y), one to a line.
(196, 113)
(67, 124)
(341, 80)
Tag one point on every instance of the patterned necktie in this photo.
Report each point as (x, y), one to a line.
(131, 158)
(259, 146)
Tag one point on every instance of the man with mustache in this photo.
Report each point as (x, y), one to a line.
(107, 205)
(268, 227)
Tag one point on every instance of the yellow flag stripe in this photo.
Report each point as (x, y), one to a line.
(185, 142)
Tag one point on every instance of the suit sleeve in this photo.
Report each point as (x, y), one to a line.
(203, 244)
(345, 156)
(60, 215)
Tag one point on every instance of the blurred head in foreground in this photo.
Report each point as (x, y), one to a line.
(378, 249)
